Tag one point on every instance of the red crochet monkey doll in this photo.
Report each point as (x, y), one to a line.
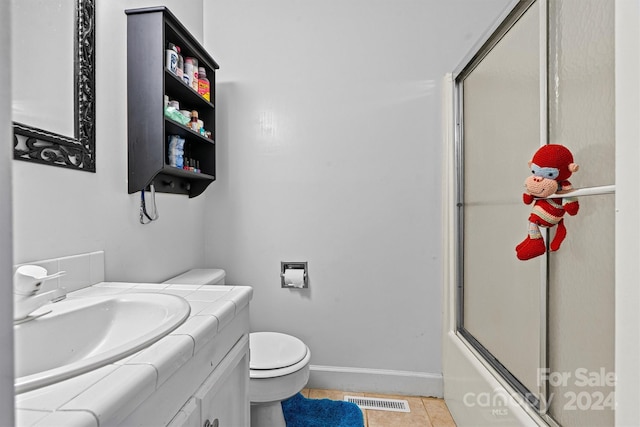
(551, 166)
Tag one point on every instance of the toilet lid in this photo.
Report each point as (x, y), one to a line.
(273, 350)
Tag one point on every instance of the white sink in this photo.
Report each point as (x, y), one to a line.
(83, 334)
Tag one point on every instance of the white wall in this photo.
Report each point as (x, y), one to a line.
(6, 258)
(627, 249)
(60, 212)
(329, 151)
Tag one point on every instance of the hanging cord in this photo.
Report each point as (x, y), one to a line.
(143, 207)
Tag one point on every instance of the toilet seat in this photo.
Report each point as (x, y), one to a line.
(274, 354)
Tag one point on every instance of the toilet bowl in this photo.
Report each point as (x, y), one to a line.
(278, 369)
(278, 363)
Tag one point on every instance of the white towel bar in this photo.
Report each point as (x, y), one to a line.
(589, 191)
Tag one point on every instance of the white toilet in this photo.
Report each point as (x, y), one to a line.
(278, 365)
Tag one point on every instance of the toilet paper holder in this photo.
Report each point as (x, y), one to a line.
(294, 266)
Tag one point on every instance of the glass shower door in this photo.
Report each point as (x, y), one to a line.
(501, 116)
(581, 275)
(547, 324)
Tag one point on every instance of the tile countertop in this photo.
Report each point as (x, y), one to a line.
(115, 390)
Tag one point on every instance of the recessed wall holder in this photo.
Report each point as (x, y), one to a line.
(294, 266)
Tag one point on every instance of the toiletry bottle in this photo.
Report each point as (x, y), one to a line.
(187, 76)
(186, 156)
(180, 68)
(172, 58)
(194, 121)
(194, 82)
(203, 84)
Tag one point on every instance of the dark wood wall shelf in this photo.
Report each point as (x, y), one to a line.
(149, 32)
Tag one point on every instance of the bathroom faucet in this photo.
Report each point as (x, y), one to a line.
(26, 285)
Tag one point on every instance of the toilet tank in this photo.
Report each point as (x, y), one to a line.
(199, 276)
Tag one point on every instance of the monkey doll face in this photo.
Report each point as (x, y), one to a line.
(542, 182)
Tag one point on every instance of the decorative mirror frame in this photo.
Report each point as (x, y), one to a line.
(49, 148)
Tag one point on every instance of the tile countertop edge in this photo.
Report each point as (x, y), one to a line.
(238, 295)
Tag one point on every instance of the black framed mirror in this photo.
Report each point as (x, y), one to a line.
(46, 146)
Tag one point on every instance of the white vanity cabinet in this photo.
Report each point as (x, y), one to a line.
(196, 376)
(212, 384)
(221, 401)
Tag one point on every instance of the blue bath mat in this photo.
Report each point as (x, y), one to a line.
(302, 412)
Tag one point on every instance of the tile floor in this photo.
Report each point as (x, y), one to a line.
(425, 411)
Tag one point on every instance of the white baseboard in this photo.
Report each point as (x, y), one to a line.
(375, 381)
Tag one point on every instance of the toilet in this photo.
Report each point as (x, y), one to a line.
(278, 363)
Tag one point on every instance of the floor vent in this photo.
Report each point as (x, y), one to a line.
(379, 404)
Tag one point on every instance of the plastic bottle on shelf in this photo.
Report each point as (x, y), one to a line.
(186, 156)
(194, 82)
(180, 68)
(187, 75)
(172, 58)
(203, 84)
(194, 121)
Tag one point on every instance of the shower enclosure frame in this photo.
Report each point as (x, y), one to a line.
(512, 18)
(536, 399)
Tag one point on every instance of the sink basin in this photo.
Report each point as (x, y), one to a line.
(83, 334)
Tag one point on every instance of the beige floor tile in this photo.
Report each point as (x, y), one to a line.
(418, 416)
(326, 394)
(396, 419)
(425, 411)
(438, 412)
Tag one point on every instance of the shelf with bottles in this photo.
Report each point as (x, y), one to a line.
(184, 154)
(196, 168)
(177, 89)
(186, 115)
(150, 32)
(175, 128)
(188, 64)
